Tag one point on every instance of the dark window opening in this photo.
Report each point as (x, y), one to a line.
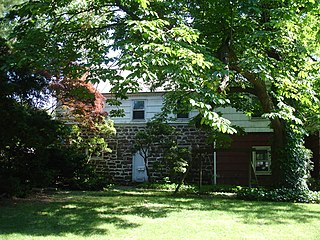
(138, 112)
(182, 115)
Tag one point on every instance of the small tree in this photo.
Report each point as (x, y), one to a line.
(156, 133)
(161, 136)
(180, 161)
(82, 106)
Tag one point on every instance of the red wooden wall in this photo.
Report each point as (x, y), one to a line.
(233, 163)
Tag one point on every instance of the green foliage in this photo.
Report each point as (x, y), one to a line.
(160, 135)
(219, 188)
(279, 195)
(206, 51)
(72, 171)
(295, 163)
(314, 184)
(93, 142)
(178, 161)
(245, 193)
(190, 189)
(62, 166)
(27, 135)
(31, 152)
(157, 134)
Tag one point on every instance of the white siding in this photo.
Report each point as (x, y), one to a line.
(153, 104)
(244, 121)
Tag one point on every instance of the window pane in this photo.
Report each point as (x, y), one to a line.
(138, 115)
(262, 166)
(138, 105)
(262, 160)
(262, 155)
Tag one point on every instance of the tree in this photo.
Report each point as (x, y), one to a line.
(180, 162)
(27, 132)
(31, 141)
(33, 152)
(212, 53)
(5, 6)
(81, 106)
(158, 134)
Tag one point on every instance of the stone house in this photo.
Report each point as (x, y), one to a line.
(246, 160)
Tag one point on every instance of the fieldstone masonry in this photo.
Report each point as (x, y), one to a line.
(117, 165)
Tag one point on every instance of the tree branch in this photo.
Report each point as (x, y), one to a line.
(126, 10)
(242, 90)
(259, 87)
(104, 27)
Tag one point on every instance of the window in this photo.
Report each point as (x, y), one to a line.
(261, 158)
(181, 109)
(138, 110)
(182, 115)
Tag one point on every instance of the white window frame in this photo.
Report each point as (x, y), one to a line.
(133, 110)
(255, 160)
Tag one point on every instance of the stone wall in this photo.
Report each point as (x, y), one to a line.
(118, 164)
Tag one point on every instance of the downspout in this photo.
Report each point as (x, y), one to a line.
(214, 164)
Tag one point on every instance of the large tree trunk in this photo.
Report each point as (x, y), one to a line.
(279, 136)
(289, 157)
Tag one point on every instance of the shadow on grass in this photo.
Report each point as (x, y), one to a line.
(95, 213)
(249, 212)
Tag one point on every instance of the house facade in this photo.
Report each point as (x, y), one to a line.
(245, 160)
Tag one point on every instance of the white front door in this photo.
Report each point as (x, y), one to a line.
(139, 173)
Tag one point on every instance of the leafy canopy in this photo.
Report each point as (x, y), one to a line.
(258, 56)
(211, 51)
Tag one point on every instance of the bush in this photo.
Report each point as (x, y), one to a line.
(13, 186)
(314, 184)
(191, 188)
(72, 170)
(62, 167)
(22, 169)
(168, 186)
(245, 193)
(278, 195)
(219, 188)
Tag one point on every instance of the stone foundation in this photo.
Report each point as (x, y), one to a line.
(118, 164)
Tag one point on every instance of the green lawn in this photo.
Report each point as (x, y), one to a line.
(142, 214)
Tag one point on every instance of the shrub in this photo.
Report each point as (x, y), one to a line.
(62, 167)
(279, 195)
(13, 186)
(219, 188)
(72, 170)
(168, 186)
(245, 193)
(314, 184)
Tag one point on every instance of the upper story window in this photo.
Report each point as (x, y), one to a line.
(181, 109)
(138, 112)
(182, 115)
(261, 157)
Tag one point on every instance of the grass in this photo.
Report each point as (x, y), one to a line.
(144, 214)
